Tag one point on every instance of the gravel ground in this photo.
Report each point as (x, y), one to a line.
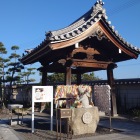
(42, 128)
(42, 131)
(4, 113)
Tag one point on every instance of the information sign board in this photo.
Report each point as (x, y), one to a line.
(42, 94)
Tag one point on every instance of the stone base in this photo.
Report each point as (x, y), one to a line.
(115, 115)
(84, 120)
(15, 122)
(101, 113)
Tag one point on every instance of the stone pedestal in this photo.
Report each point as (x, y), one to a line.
(84, 120)
(15, 121)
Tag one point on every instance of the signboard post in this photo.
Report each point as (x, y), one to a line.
(42, 94)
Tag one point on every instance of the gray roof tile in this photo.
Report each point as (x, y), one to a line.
(96, 13)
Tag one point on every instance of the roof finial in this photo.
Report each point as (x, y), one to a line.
(98, 6)
(100, 2)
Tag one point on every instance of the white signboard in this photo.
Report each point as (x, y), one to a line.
(42, 94)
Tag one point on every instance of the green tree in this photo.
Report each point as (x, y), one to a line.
(89, 77)
(57, 77)
(12, 71)
(14, 66)
(25, 76)
(60, 77)
(3, 62)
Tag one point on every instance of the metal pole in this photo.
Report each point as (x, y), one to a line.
(32, 116)
(51, 116)
(110, 119)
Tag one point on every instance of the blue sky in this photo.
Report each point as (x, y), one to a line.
(24, 23)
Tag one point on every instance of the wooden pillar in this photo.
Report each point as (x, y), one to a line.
(44, 83)
(44, 76)
(68, 76)
(78, 79)
(113, 95)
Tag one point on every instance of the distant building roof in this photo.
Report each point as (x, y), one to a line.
(116, 81)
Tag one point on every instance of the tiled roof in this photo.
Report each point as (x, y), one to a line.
(96, 13)
(131, 81)
(116, 82)
(80, 25)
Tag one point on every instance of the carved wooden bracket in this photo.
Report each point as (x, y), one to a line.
(90, 63)
(88, 51)
(99, 34)
(90, 57)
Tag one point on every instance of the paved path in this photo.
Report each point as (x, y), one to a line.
(7, 133)
(116, 136)
(131, 131)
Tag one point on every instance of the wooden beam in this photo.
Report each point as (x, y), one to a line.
(90, 63)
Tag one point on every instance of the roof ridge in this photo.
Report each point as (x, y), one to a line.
(77, 25)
